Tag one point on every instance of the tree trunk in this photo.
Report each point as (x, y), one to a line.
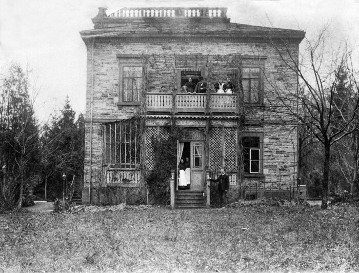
(19, 205)
(46, 187)
(325, 181)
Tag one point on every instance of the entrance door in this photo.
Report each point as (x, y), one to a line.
(197, 175)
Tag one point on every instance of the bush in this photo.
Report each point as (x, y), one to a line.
(28, 200)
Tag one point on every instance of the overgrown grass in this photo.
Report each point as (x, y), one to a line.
(249, 239)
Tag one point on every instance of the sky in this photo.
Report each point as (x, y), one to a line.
(43, 36)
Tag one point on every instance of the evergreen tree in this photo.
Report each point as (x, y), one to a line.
(63, 151)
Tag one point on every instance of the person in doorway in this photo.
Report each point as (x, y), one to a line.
(201, 86)
(182, 183)
(223, 185)
(188, 172)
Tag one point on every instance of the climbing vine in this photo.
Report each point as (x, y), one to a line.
(164, 156)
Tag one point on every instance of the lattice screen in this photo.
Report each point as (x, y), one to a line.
(215, 149)
(157, 132)
(150, 132)
(230, 140)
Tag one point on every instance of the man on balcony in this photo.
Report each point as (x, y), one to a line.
(201, 86)
(190, 86)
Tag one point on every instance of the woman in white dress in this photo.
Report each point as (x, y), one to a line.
(182, 183)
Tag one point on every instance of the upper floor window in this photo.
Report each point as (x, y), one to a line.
(130, 80)
(251, 82)
(132, 83)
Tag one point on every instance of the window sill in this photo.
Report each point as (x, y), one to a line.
(123, 103)
(123, 185)
(254, 175)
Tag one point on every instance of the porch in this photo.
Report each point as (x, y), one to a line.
(192, 102)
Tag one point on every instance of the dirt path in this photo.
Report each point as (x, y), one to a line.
(41, 206)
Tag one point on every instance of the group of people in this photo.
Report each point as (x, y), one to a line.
(191, 87)
(226, 87)
(184, 179)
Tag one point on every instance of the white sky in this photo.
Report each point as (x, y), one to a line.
(44, 34)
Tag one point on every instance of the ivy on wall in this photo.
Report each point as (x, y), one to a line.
(165, 153)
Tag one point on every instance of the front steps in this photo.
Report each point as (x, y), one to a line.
(186, 199)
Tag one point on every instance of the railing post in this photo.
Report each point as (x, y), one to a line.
(173, 102)
(208, 189)
(172, 189)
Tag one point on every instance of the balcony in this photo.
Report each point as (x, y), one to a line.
(191, 103)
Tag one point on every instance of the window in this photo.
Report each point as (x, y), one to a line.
(121, 141)
(197, 153)
(251, 82)
(252, 154)
(131, 80)
(132, 83)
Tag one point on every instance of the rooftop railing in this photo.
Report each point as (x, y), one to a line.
(170, 12)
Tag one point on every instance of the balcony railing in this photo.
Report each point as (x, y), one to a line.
(170, 12)
(121, 176)
(160, 102)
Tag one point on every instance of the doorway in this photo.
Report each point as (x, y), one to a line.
(192, 153)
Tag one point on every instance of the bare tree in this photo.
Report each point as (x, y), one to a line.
(317, 109)
(18, 132)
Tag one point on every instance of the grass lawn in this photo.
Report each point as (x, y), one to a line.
(250, 238)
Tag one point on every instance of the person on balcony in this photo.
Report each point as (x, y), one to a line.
(182, 183)
(201, 86)
(220, 90)
(190, 85)
(229, 86)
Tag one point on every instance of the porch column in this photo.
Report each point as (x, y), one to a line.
(208, 189)
(172, 189)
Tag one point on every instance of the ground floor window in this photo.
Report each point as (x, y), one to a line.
(121, 144)
(252, 155)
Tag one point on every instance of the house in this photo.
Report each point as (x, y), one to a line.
(142, 67)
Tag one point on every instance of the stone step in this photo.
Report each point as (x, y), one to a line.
(189, 200)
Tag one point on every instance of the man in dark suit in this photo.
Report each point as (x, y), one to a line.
(201, 86)
(223, 184)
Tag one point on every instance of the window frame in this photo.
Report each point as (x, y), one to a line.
(260, 135)
(129, 61)
(252, 65)
(118, 137)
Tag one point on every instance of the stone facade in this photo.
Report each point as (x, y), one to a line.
(213, 47)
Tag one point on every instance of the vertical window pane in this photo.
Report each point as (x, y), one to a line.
(127, 89)
(254, 166)
(107, 143)
(132, 83)
(246, 93)
(113, 143)
(254, 154)
(254, 91)
(197, 155)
